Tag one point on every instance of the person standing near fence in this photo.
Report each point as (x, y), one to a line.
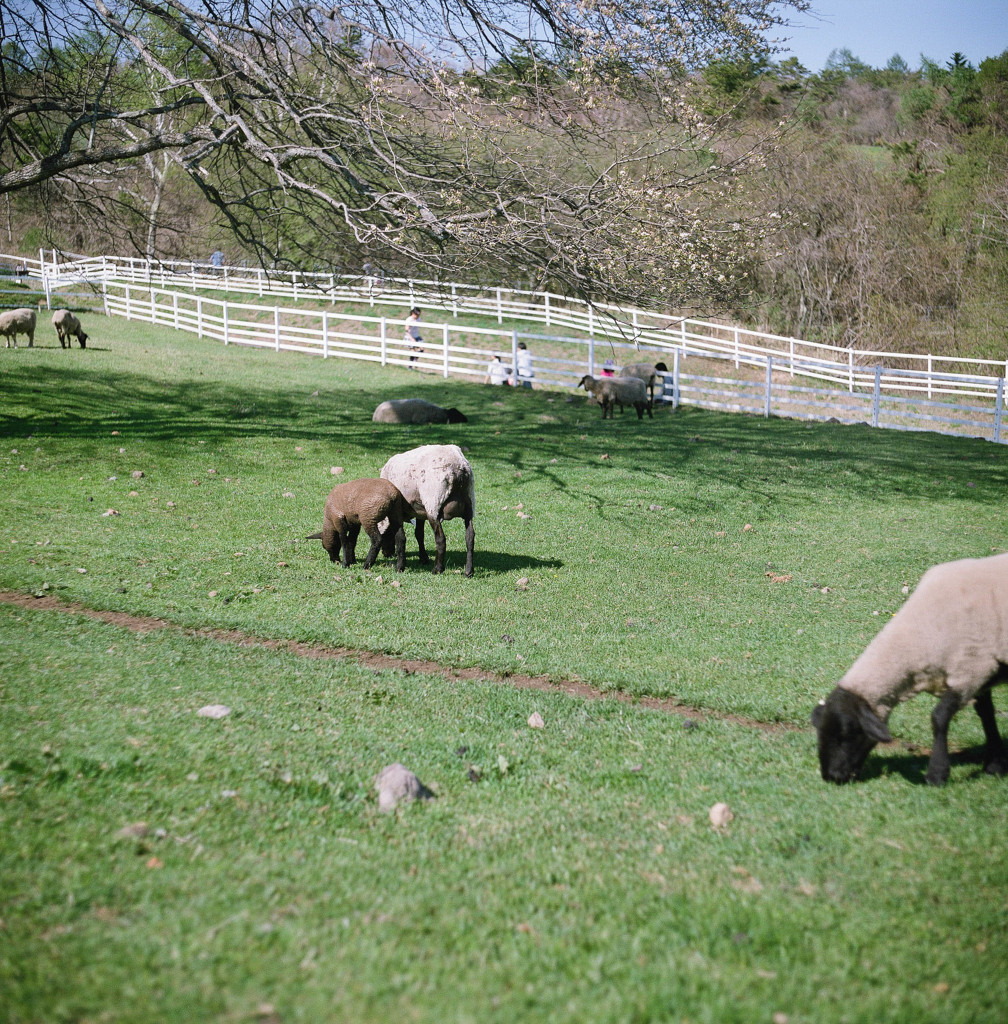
(497, 372)
(412, 335)
(524, 367)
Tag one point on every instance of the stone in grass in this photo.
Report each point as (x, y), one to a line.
(535, 721)
(720, 815)
(396, 783)
(214, 711)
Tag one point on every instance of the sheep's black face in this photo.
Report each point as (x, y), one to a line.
(848, 730)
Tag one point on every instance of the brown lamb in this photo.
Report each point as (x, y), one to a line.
(364, 503)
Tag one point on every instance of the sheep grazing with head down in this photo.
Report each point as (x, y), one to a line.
(647, 372)
(437, 480)
(609, 391)
(949, 639)
(415, 410)
(67, 327)
(18, 321)
(364, 504)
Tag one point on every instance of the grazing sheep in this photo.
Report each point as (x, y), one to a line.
(647, 372)
(67, 327)
(364, 503)
(437, 480)
(415, 410)
(18, 321)
(623, 390)
(949, 639)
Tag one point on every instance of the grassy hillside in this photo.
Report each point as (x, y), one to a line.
(160, 866)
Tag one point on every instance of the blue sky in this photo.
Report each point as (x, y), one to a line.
(874, 30)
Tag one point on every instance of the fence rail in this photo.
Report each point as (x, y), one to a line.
(790, 377)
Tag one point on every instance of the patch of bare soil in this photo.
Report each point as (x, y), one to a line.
(379, 662)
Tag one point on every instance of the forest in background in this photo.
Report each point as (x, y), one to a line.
(879, 196)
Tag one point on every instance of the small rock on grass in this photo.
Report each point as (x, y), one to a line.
(535, 721)
(720, 815)
(396, 783)
(214, 711)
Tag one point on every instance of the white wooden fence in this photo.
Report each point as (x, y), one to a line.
(774, 375)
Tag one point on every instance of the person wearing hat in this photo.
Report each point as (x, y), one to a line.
(412, 336)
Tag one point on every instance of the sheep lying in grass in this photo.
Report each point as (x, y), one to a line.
(647, 372)
(18, 321)
(624, 390)
(366, 504)
(415, 410)
(949, 639)
(437, 480)
(67, 327)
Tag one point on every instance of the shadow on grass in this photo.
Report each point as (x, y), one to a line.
(913, 767)
(524, 430)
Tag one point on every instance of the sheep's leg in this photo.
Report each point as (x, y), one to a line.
(938, 765)
(400, 549)
(440, 545)
(372, 554)
(330, 541)
(419, 531)
(470, 544)
(639, 406)
(996, 757)
(350, 543)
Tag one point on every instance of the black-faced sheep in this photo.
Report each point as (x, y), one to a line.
(623, 390)
(364, 504)
(18, 321)
(437, 480)
(949, 639)
(415, 410)
(67, 327)
(647, 372)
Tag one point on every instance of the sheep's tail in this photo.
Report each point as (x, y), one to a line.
(314, 536)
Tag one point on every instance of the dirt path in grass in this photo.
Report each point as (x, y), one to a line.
(370, 659)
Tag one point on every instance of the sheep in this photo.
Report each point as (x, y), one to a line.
(949, 639)
(18, 321)
(415, 410)
(437, 480)
(67, 327)
(364, 503)
(625, 390)
(648, 372)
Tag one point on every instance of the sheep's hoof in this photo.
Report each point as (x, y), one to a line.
(937, 777)
(999, 766)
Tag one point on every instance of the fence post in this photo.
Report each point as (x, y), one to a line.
(850, 370)
(193, 268)
(454, 301)
(682, 331)
(199, 316)
(930, 371)
(175, 308)
(675, 379)
(500, 308)
(444, 337)
(127, 302)
(325, 335)
(384, 341)
(791, 344)
(104, 286)
(224, 317)
(547, 309)
(876, 395)
(276, 328)
(514, 354)
(998, 408)
(259, 279)
(769, 376)
(736, 349)
(294, 284)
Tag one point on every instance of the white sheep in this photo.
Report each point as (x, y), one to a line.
(18, 321)
(612, 390)
(437, 480)
(415, 410)
(949, 639)
(647, 372)
(67, 327)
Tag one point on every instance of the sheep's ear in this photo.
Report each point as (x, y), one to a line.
(817, 714)
(875, 728)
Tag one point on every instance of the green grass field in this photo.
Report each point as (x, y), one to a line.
(732, 564)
